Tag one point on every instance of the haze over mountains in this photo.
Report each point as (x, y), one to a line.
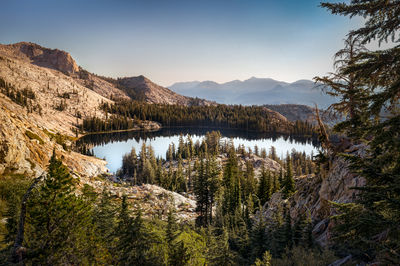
(255, 91)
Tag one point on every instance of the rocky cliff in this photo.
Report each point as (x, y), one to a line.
(294, 112)
(315, 192)
(142, 88)
(138, 88)
(41, 56)
(40, 113)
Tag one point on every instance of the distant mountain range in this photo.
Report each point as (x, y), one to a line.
(256, 91)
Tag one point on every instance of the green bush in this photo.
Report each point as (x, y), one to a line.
(32, 135)
(300, 256)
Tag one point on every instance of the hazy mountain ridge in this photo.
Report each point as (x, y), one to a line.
(259, 91)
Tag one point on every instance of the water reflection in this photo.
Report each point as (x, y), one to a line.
(113, 146)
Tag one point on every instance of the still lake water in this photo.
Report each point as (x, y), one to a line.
(113, 146)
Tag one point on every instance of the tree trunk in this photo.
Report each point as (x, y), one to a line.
(18, 251)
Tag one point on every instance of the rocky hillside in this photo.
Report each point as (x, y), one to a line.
(43, 96)
(315, 192)
(40, 56)
(294, 112)
(138, 88)
(144, 89)
(40, 108)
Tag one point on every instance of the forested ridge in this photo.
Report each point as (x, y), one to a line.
(252, 118)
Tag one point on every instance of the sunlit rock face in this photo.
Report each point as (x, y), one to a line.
(314, 194)
(41, 56)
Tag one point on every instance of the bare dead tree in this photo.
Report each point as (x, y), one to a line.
(18, 251)
(325, 142)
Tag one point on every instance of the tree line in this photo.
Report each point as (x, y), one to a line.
(251, 118)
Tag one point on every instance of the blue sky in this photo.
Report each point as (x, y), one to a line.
(170, 41)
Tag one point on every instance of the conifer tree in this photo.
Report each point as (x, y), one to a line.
(259, 238)
(371, 224)
(57, 219)
(104, 220)
(134, 239)
(220, 252)
(231, 182)
(264, 186)
(288, 182)
(213, 183)
(201, 193)
(266, 259)
(177, 253)
(288, 227)
(276, 233)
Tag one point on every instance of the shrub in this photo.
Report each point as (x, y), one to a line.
(32, 135)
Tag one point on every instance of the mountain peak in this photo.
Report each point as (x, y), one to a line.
(41, 56)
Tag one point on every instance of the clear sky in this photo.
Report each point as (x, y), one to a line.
(183, 40)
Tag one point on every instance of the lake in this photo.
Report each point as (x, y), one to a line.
(112, 146)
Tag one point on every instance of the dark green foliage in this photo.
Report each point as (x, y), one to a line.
(134, 240)
(288, 181)
(219, 252)
(94, 124)
(32, 135)
(221, 116)
(177, 252)
(23, 97)
(206, 186)
(57, 220)
(12, 188)
(259, 237)
(264, 186)
(231, 183)
(301, 256)
(369, 227)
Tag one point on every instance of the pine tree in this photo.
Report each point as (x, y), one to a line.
(231, 183)
(276, 233)
(288, 227)
(249, 182)
(377, 127)
(266, 260)
(177, 252)
(259, 238)
(264, 186)
(180, 178)
(213, 183)
(201, 193)
(56, 220)
(104, 221)
(134, 239)
(219, 251)
(288, 182)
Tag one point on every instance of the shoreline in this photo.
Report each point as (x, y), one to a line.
(116, 131)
